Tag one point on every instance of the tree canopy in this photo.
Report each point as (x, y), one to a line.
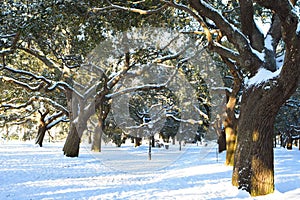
(52, 67)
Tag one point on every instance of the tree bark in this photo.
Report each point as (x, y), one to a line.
(72, 144)
(230, 145)
(41, 134)
(253, 162)
(230, 122)
(42, 128)
(96, 145)
(253, 166)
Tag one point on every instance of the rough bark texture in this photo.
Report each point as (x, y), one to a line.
(230, 122)
(253, 168)
(249, 27)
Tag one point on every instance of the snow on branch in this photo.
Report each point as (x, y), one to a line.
(288, 17)
(263, 75)
(57, 121)
(25, 85)
(36, 98)
(135, 10)
(224, 51)
(51, 85)
(188, 121)
(8, 35)
(137, 88)
(193, 14)
(12, 47)
(235, 36)
(15, 120)
(27, 73)
(145, 87)
(172, 56)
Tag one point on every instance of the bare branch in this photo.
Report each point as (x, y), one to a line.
(188, 121)
(226, 52)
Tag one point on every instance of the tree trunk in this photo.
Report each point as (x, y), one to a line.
(230, 133)
(222, 142)
(289, 144)
(138, 141)
(149, 148)
(41, 134)
(42, 128)
(253, 165)
(96, 145)
(152, 141)
(71, 147)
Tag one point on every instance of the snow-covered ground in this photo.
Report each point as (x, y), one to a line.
(196, 172)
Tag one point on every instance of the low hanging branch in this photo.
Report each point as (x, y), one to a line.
(45, 83)
(33, 99)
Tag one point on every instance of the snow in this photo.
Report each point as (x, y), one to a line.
(268, 42)
(260, 55)
(31, 172)
(262, 76)
(263, 26)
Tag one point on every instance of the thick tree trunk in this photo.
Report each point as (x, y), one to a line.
(253, 166)
(71, 147)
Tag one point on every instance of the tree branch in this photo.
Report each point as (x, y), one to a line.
(41, 57)
(197, 17)
(36, 98)
(249, 27)
(135, 10)
(252, 62)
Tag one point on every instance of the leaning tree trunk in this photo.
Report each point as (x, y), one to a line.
(78, 123)
(71, 147)
(41, 134)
